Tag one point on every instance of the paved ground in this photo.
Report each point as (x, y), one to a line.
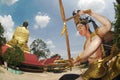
(6, 75)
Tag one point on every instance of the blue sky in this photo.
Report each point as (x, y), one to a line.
(45, 20)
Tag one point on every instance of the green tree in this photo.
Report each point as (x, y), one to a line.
(13, 56)
(55, 55)
(2, 38)
(39, 48)
(117, 24)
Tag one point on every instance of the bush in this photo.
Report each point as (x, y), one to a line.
(13, 56)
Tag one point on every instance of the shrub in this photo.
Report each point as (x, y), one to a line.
(13, 56)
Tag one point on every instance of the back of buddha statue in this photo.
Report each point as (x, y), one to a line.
(20, 37)
(21, 34)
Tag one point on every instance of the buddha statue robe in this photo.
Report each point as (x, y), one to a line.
(20, 38)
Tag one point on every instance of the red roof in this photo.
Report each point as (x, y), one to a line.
(31, 59)
(51, 60)
(4, 48)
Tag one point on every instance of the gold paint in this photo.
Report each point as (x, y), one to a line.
(20, 38)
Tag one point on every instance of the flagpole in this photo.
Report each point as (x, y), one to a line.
(68, 44)
(65, 31)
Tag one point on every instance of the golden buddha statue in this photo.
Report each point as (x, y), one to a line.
(20, 37)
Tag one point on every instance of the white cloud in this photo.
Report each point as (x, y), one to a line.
(41, 20)
(50, 44)
(109, 10)
(8, 2)
(95, 5)
(105, 7)
(30, 40)
(8, 25)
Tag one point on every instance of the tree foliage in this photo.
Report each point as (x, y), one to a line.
(2, 38)
(14, 56)
(39, 48)
(55, 55)
(117, 25)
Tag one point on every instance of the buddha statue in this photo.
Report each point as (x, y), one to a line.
(20, 37)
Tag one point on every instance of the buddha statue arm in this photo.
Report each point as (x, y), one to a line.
(105, 24)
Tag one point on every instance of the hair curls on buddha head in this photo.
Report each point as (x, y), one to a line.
(25, 23)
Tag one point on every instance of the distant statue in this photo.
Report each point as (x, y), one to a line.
(20, 37)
